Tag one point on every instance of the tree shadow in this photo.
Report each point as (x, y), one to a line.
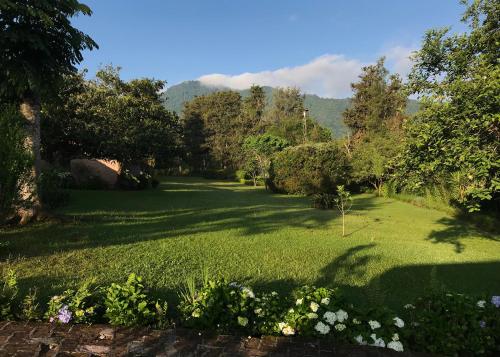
(455, 231)
(107, 218)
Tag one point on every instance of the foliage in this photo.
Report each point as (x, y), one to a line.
(14, 160)
(84, 305)
(31, 310)
(129, 305)
(454, 324)
(217, 305)
(309, 168)
(258, 153)
(134, 181)
(8, 296)
(109, 118)
(50, 185)
(343, 201)
(323, 200)
(456, 133)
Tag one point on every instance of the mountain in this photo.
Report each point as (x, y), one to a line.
(327, 111)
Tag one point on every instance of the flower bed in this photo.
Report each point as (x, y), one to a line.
(444, 323)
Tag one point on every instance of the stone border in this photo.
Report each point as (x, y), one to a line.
(44, 339)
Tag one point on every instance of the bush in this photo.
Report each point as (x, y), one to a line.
(455, 324)
(8, 296)
(212, 174)
(309, 169)
(323, 200)
(129, 181)
(14, 160)
(50, 184)
(128, 305)
(84, 305)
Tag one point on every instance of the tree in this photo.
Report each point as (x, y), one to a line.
(222, 131)
(378, 103)
(343, 202)
(375, 120)
(38, 45)
(455, 137)
(259, 150)
(85, 117)
(287, 119)
(252, 111)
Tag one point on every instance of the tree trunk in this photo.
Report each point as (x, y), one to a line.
(31, 205)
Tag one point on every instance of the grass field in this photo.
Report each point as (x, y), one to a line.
(393, 251)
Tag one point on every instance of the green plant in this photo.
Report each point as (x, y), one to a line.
(323, 200)
(14, 160)
(128, 304)
(129, 181)
(308, 169)
(8, 296)
(31, 307)
(50, 186)
(343, 201)
(454, 325)
(84, 305)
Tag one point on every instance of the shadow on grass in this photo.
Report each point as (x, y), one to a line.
(456, 230)
(177, 208)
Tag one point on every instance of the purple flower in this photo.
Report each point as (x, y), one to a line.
(495, 300)
(482, 324)
(64, 314)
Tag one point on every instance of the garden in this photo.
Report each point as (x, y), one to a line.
(242, 214)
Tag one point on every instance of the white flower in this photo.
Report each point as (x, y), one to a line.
(340, 327)
(395, 337)
(291, 310)
(312, 315)
(314, 307)
(396, 346)
(248, 293)
(409, 306)
(356, 321)
(481, 303)
(398, 322)
(282, 325)
(374, 324)
(330, 317)
(242, 321)
(377, 342)
(288, 331)
(359, 340)
(325, 301)
(258, 311)
(322, 328)
(274, 293)
(299, 301)
(341, 315)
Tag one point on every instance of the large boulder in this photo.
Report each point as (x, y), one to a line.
(93, 173)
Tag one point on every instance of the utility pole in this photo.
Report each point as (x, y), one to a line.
(305, 124)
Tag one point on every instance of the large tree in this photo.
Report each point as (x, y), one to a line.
(38, 45)
(109, 118)
(455, 137)
(375, 120)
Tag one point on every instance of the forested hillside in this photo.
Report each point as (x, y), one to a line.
(328, 111)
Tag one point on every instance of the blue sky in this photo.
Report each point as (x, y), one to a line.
(316, 45)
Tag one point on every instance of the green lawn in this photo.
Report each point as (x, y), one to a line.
(393, 252)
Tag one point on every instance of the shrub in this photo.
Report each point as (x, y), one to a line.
(14, 160)
(129, 181)
(455, 324)
(8, 296)
(128, 305)
(323, 200)
(50, 185)
(309, 169)
(213, 174)
(84, 305)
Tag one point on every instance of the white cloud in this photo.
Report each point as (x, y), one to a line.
(398, 59)
(327, 76)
